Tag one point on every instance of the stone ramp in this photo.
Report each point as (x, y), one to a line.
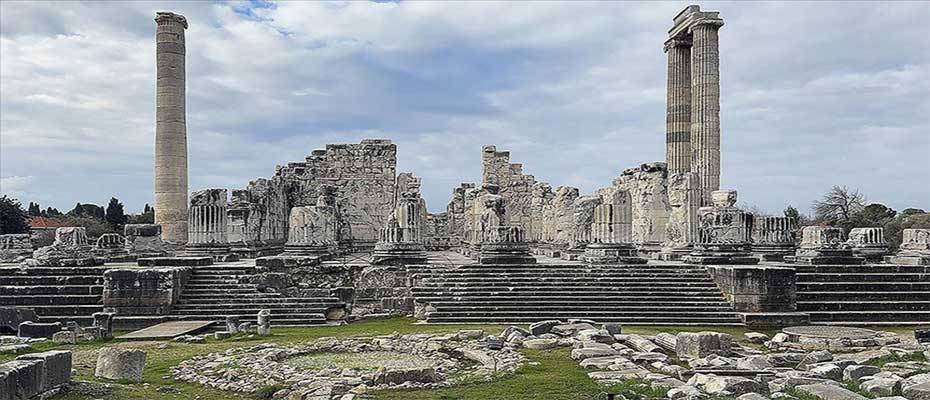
(214, 292)
(634, 294)
(55, 293)
(167, 330)
(874, 294)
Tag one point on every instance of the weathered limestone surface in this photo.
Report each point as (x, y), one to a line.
(171, 128)
(15, 245)
(208, 225)
(11, 317)
(681, 229)
(314, 230)
(144, 239)
(678, 114)
(757, 289)
(401, 240)
(69, 248)
(148, 291)
(612, 233)
(515, 186)
(647, 185)
(120, 364)
(724, 233)
(869, 243)
(824, 245)
(257, 217)
(773, 238)
(914, 249)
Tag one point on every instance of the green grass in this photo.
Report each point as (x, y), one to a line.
(550, 375)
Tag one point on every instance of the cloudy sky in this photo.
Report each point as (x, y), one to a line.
(813, 94)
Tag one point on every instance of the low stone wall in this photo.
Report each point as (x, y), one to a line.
(382, 290)
(15, 245)
(143, 291)
(294, 280)
(36, 375)
(757, 289)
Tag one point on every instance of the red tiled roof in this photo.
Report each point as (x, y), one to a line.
(44, 222)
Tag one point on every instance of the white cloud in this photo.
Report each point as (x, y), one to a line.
(575, 90)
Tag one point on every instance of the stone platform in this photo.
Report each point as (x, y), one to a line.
(167, 330)
(175, 261)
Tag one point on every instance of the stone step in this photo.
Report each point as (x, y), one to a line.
(862, 277)
(221, 291)
(671, 301)
(50, 280)
(920, 317)
(566, 282)
(721, 308)
(862, 286)
(619, 318)
(262, 300)
(247, 311)
(560, 291)
(50, 290)
(242, 286)
(862, 269)
(67, 309)
(40, 271)
(858, 305)
(82, 320)
(220, 299)
(37, 300)
(251, 317)
(831, 296)
(579, 272)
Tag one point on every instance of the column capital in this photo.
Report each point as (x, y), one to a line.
(676, 42)
(715, 22)
(170, 17)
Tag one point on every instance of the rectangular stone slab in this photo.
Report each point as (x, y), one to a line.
(175, 261)
(167, 330)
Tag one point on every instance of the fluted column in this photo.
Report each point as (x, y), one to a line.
(705, 106)
(170, 128)
(678, 111)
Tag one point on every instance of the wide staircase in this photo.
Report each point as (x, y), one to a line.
(877, 294)
(56, 294)
(217, 291)
(633, 294)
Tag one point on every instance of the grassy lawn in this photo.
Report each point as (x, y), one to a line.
(550, 375)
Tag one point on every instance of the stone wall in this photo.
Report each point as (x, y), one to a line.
(648, 188)
(15, 245)
(515, 187)
(149, 291)
(257, 215)
(35, 375)
(756, 289)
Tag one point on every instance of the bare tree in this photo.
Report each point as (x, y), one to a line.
(839, 205)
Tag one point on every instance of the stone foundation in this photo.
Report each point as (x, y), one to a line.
(13, 246)
(823, 245)
(150, 291)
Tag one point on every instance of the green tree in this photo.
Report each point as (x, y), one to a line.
(147, 216)
(52, 213)
(838, 206)
(115, 215)
(34, 210)
(13, 219)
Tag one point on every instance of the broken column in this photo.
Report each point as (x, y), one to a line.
(684, 200)
(264, 322)
(869, 243)
(914, 249)
(207, 226)
(499, 243)
(171, 128)
(612, 233)
(824, 245)
(70, 248)
(773, 238)
(144, 240)
(401, 241)
(312, 230)
(723, 233)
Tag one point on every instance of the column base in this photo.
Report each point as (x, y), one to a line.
(672, 253)
(871, 253)
(505, 253)
(611, 253)
(399, 254)
(772, 252)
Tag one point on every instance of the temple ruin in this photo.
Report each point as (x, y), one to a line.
(343, 235)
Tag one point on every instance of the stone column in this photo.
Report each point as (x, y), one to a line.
(612, 234)
(914, 250)
(170, 128)
(678, 111)
(824, 245)
(724, 233)
(705, 105)
(773, 237)
(207, 235)
(869, 243)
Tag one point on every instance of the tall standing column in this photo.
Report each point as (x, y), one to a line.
(705, 105)
(170, 128)
(678, 112)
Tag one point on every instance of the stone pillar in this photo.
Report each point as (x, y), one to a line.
(170, 128)
(678, 109)
(773, 237)
(724, 233)
(705, 105)
(824, 245)
(208, 225)
(914, 250)
(681, 230)
(612, 234)
(312, 230)
(401, 241)
(868, 243)
(505, 245)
